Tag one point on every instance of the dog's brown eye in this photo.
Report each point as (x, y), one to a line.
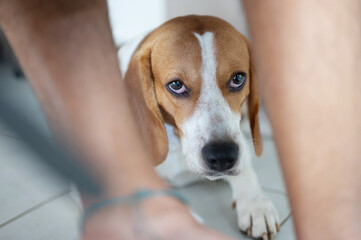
(177, 88)
(176, 85)
(238, 81)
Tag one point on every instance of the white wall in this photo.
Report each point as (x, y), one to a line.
(229, 10)
(130, 18)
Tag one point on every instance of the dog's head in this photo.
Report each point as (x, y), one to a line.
(195, 73)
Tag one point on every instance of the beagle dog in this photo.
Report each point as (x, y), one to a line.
(188, 81)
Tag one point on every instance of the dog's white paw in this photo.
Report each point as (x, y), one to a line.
(257, 216)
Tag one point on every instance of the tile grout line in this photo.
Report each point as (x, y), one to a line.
(8, 135)
(285, 220)
(4, 134)
(37, 206)
(72, 192)
(276, 191)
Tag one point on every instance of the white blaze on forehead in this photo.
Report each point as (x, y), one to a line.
(212, 119)
(209, 61)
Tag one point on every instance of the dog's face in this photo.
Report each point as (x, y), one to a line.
(201, 75)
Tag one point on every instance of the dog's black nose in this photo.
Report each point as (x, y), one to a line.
(220, 156)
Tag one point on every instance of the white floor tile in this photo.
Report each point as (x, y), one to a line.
(287, 231)
(265, 125)
(268, 168)
(24, 181)
(57, 220)
(212, 202)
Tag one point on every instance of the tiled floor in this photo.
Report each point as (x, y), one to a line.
(35, 203)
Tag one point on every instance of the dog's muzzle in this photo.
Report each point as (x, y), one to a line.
(220, 156)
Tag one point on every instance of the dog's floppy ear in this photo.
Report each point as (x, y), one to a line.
(253, 102)
(140, 85)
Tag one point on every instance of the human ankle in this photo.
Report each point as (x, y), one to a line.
(148, 217)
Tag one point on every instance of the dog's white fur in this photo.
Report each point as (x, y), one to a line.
(212, 120)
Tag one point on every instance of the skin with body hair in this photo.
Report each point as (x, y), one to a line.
(76, 96)
(322, 175)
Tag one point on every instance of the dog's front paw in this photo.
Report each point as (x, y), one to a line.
(257, 216)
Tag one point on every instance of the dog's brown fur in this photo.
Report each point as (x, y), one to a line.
(171, 52)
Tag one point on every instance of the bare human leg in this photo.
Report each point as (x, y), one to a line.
(68, 54)
(309, 59)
